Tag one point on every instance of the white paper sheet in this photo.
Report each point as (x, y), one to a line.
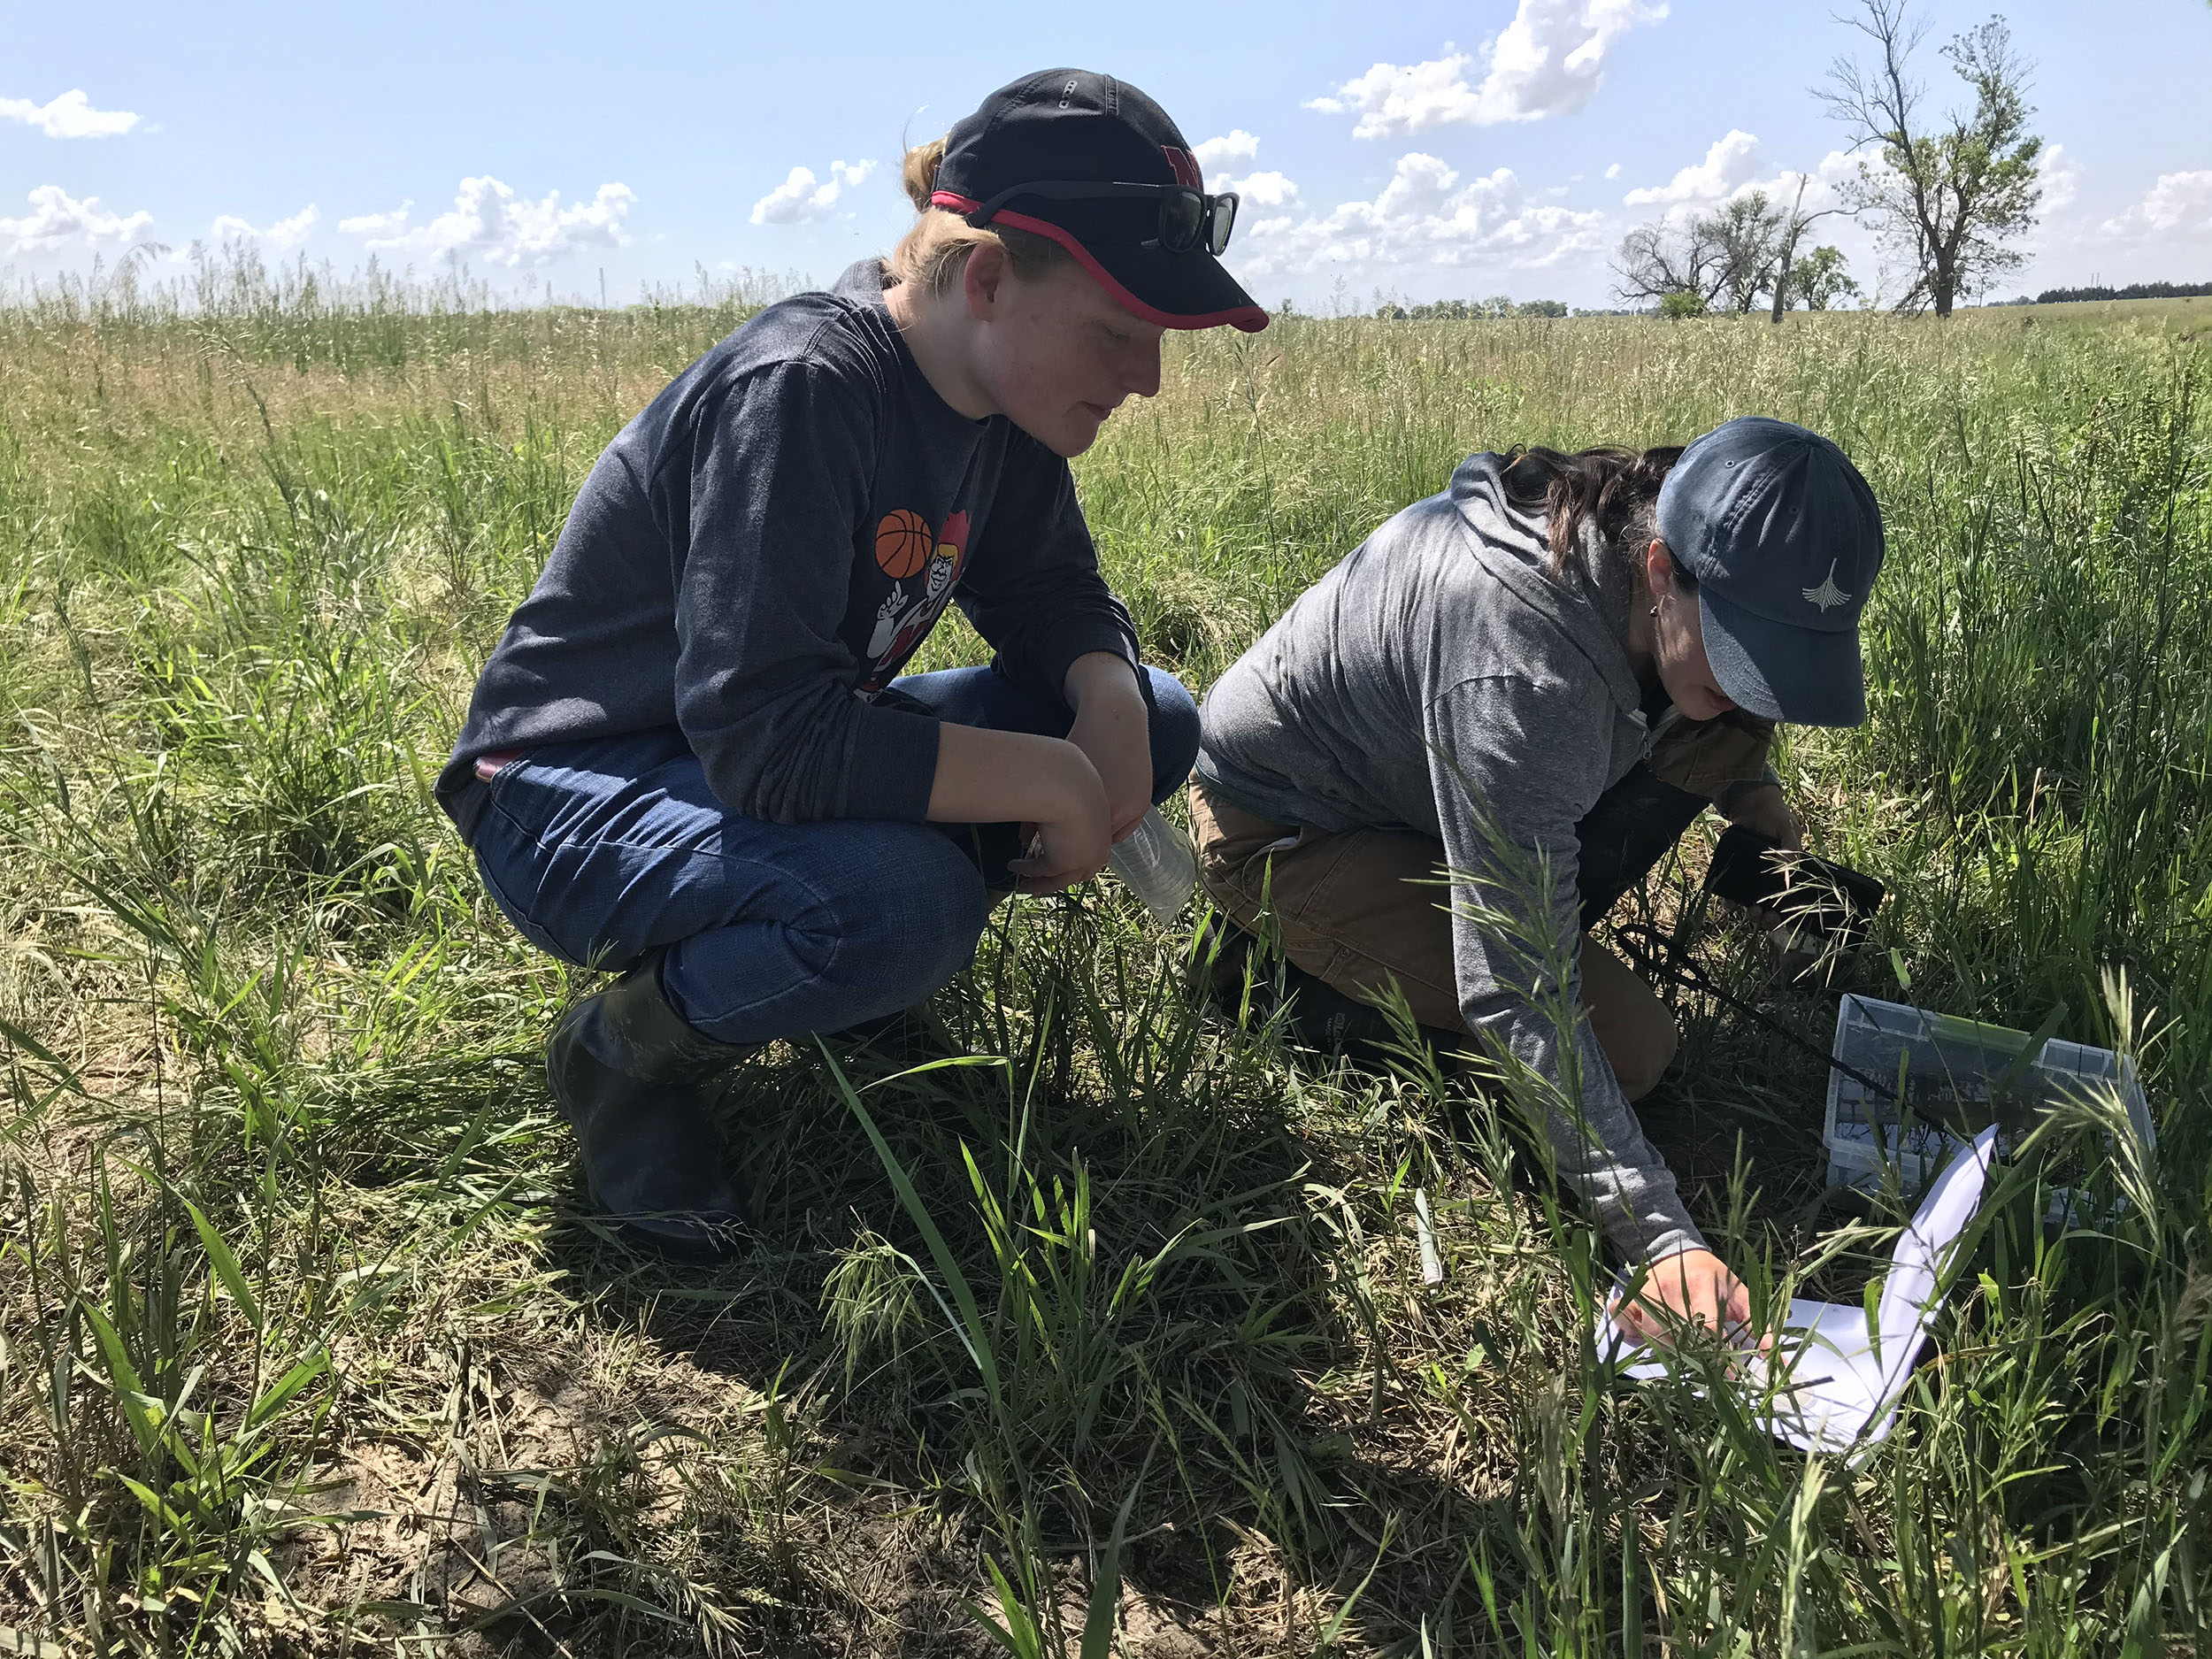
(1840, 1381)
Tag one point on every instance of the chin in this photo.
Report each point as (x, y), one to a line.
(1697, 704)
(1068, 438)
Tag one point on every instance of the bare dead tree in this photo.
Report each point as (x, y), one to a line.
(1949, 194)
(1660, 258)
(1795, 228)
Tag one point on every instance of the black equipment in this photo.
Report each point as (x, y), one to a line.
(1832, 899)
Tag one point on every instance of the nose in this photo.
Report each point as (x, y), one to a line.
(1144, 375)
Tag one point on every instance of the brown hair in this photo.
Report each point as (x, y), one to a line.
(1618, 490)
(934, 253)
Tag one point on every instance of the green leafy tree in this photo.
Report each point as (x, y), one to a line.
(1748, 231)
(1819, 279)
(1950, 194)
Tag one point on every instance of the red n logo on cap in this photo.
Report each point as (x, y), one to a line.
(1184, 165)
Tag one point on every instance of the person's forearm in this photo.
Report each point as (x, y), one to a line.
(986, 776)
(1101, 675)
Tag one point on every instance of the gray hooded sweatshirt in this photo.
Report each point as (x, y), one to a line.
(1439, 679)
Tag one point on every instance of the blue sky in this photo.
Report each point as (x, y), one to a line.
(1423, 149)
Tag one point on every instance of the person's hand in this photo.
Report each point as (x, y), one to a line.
(1691, 1290)
(1764, 808)
(1114, 729)
(1069, 843)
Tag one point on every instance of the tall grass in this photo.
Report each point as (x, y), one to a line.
(1118, 1336)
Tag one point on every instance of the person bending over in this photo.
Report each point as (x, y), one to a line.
(693, 758)
(1562, 657)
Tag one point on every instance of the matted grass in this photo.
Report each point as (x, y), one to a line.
(1120, 1336)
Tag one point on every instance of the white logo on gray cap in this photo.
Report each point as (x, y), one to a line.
(1827, 595)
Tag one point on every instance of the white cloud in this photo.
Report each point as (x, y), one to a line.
(2178, 201)
(1426, 215)
(1550, 60)
(1730, 163)
(1232, 146)
(1260, 190)
(488, 222)
(2060, 175)
(1613, 172)
(286, 233)
(379, 224)
(69, 116)
(58, 221)
(801, 196)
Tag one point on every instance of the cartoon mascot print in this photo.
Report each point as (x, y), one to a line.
(905, 550)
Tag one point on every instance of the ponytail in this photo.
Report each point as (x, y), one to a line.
(934, 253)
(1616, 489)
(918, 173)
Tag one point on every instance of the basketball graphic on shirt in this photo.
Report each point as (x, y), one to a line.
(903, 543)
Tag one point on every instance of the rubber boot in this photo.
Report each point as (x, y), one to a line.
(634, 1079)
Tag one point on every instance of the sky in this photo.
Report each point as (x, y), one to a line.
(1415, 150)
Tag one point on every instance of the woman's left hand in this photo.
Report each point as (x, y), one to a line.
(1764, 808)
(1113, 728)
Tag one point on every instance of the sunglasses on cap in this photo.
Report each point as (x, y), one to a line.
(1190, 220)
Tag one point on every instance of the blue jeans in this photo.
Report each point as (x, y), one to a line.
(601, 850)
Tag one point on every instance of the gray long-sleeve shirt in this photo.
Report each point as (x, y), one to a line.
(1439, 679)
(760, 551)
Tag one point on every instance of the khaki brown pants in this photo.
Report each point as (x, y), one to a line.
(1360, 909)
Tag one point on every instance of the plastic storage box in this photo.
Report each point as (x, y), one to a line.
(1948, 1068)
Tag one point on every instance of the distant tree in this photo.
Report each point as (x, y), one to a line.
(1818, 281)
(2133, 291)
(1675, 306)
(1950, 197)
(1462, 311)
(1661, 260)
(1793, 229)
(1748, 230)
(1727, 256)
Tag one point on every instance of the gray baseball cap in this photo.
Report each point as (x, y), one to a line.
(1783, 539)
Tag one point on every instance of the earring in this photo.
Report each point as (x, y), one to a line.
(1655, 611)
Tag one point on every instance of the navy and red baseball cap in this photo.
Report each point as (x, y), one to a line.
(1066, 129)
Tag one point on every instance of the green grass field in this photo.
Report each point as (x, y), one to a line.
(1117, 1340)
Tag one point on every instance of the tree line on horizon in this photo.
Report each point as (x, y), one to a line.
(2133, 291)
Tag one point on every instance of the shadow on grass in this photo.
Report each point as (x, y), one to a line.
(1179, 1265)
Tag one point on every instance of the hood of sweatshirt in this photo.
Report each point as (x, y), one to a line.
(1590, 608)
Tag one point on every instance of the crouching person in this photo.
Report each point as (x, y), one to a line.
(693, 758)
(1559, 662)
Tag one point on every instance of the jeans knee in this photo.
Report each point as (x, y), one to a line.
(901, 938)
(1173, 732)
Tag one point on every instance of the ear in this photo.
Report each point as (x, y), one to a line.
(986, 273)
(1658, 568)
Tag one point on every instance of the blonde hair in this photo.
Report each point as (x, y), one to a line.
(934, 253)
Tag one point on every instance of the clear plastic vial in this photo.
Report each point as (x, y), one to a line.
(1154, 861)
